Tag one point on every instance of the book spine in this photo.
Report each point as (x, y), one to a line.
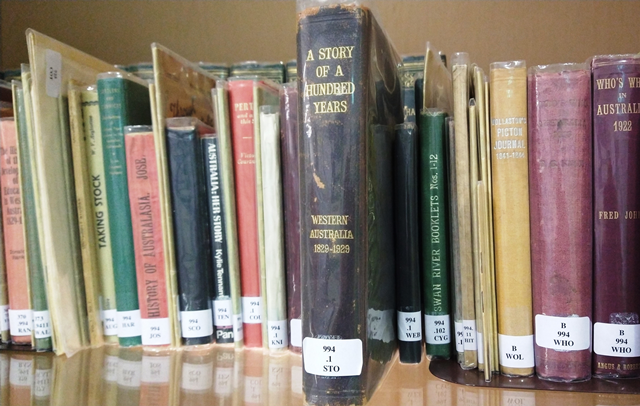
(101, 226)
(291, 189)
(112, 101)
(222, 305)
(33, 259)
(560, 187)
(616, 128)
(144, 200)
(509, 164)
(275, 286)
(20, 316)
(435, 233)
(460, 73)
(242, 132)
(229, 204)
(346, 202)
(408, 82)
(408, 297)
(191, 232)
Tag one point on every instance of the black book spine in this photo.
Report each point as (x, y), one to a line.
(218, 236)
(408, 298)
(191, 229)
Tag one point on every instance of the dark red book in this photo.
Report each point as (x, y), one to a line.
(616, 133)
(560, 200)
(291, 189)
(244, 165)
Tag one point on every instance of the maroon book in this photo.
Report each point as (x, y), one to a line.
(560, 196)
(291, 189)
(616, 132)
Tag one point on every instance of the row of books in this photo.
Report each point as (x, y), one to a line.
(131, 185)
(513, 203)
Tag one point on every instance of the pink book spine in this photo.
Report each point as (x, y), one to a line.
(142, 177)
(560, 190)
(17, 275)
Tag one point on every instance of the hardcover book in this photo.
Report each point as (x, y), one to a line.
(41, 327)
(228, 189)
(291, 192)
(191, 227)
(275, 291)
(560, 159)
(509, 164)
(350, 97)
(55, 194)
(434, 230)
(84, 206)
(123, 101)
(180, 89)
(99, 213)
(244, 162)
(20, 313)
(616, 311)
(142, 180)
(405, 205)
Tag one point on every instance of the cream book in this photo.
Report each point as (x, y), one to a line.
(53, 65)
(182, 89)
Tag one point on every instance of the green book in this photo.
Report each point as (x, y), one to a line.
(123, 102)
(37, 286)
(95, 160)
(434, 233)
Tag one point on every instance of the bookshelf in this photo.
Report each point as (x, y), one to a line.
(224, 30)
(540, 31)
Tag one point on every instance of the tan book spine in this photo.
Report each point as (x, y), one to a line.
(84, 205)
(463, 193)
(509, 146)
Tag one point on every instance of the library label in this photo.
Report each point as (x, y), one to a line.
(437, 329)
(251, 310)
(278, 335)
(296, 332)
(222, 313)
(410, 326)
(563, 333)
(516, 351)
(129, 324)
(469, 328)
(196, 323)
(332, 357)
(20, 322)
(616, 340)
(110, 322)
(156, 331)
(459, 336)
(41, 324)
(53, 80)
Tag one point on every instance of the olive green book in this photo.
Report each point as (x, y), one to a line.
(37, 289)
(84, 207)
(99, 214)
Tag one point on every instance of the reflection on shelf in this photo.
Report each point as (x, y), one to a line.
(220, 376)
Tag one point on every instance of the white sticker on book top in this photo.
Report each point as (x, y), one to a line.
(4, 318)
(224, 381)
(41, 324)
(516, 351)
(222, 313)
(53, 81)
(616, 340)
(437, 329)
(197, 377)
(42, 383)
(156, 331)
(469, 328)
(251, 310)
(156, 369)
(409, 326)
(278, 334)
(296, 333)
(110, 369)
(480, 340)
(196, 323)
(20, 322)
(459, 336)
(20, 372)
(110, 322)
(563, 333)
(332, 357)
(238, 330)
(129, 373)
(129, 324)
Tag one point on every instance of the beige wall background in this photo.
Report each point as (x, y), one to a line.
(120, 31)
